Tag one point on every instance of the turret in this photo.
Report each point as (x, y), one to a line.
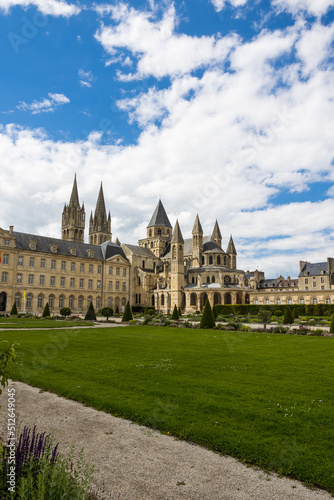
(216, 235)
(159, 231)
(231, 251)
(100, 224)
(73, 218)
(197, 233)
(177, 267)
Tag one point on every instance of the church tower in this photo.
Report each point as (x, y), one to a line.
(100, 224)
(231, 251)
(159, 231)
(197, 243)
(216, 235)
(73, 219)
(177, 267)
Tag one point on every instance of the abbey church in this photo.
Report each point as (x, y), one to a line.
(163, 270)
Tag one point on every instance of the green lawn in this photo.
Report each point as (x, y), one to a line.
(264, 398)
(39, 323)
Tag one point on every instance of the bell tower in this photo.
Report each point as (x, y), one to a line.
(197, 243)
(100, 224)
(177, 267)
(73, 219)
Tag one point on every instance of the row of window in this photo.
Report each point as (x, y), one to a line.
(82, 303)
(289, 302)
(322, 280)
(32, 261)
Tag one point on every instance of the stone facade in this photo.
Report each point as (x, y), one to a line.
(163, 270)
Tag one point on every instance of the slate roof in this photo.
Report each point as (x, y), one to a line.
(188, 247)
(141, 251)
(197, 229)
(317, 269)
(212, 247)
(216, 234)
(109, 249)
(177, 235)
(275, 283)
(43, 244)
(159, 217)
(231, 247)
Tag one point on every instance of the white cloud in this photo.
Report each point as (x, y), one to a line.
(314, 7)
(159, 50)
(44, 105)
(220, 4)
(47, 7)
(314, 46)
(86, 78)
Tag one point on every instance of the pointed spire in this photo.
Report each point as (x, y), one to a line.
(117, 242)
(159, 217)
(74, 201)
(100, 210)
(197, 229)
(231, 248)
(177, 235)
(216, 234)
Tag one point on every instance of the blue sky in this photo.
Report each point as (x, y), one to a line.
(222, 108)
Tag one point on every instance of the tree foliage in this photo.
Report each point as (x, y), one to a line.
(90, 314)
(127, 315)
(7, 362)
(207, 320)
(331, 328)
(107, 312)
(65, 311)
(13, 311)
(46, 312)
(264, 316)
(175, 314)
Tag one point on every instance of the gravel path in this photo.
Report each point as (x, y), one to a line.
(137, 463)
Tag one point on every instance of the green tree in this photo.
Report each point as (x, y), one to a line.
(90, 314)
(331, 328)
(295, 313)
(65, 311)
(107, 312)
(215, 311)
(207, 320)
(13, 312)
(179, 312)
(278, 313)
(175, 314)
(117, 310)
(46, 311)
(288, 319)
(264, 317)
(127, 315)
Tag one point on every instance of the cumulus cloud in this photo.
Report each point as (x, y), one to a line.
(47, 7)
(160, 51)
(220, 4)
(46, 105)
(314, 7)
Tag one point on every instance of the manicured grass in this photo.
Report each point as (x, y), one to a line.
(39, 323)
(264, 398)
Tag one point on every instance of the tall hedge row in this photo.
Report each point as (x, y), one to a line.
(301, 309)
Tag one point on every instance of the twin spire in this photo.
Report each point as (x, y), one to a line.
(73, 221)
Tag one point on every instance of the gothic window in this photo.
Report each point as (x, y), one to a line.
(213, 279)
(151, 244)
(159, 232)
(162, 300)
(203, 261)
(210, 260)
(150, 233)
(218, 260)
(208, 279)
(225, 261)
(193, 299)
(174, 252)
(143, 264)
(328, 301)
(227, 280)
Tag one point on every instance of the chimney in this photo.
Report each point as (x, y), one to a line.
(11, 228)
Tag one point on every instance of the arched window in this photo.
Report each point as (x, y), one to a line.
(40, 301)
(267, 302)
(225, 261)
(123, 304)
(143, 264)
(29, 301)
(109, 302)
(315, 301)
(98, 302)
(80, 302)
(61, 301)
(213, 279)
(256, 302)
(328, 300)
(193, 279)
(208, 279)
(302, 301)
(116, 302)
(218, 260)
(150, 233)
(227, 280)
(51, 301)
(203, 261)
(162, 300)
(159, 232)
(289, 302)
(210, 260)
(278, 302)
(71, 302)
(193, 299)
(151, 244)
(174, 252)
(18, 300)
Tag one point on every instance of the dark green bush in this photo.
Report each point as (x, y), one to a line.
(207, 320)
(90, 314)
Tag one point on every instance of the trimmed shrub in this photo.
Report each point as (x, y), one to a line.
(90, 314)
(215, 311)
(175, 314)
(207, 320)
(278, 313)
(288, 319)
(65, 311)
(179, 312)
(13, 311)
(107, 312)
(331, 328)
(46, 311)
(127, 315)
(295, 313)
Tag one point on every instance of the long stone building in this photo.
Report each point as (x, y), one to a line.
(164, 269)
